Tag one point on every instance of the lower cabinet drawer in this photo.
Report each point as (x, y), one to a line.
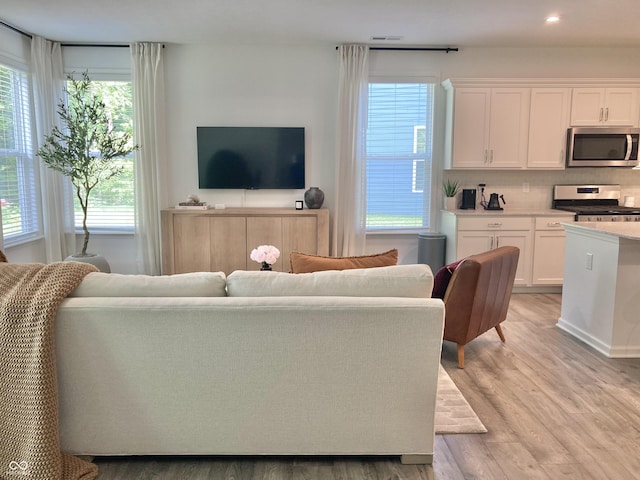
(552, 223)
(495, 223)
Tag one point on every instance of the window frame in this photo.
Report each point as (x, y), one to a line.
(430, 197)
(97, 76)
(29, 181)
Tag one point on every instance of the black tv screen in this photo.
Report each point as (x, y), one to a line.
(251, 157)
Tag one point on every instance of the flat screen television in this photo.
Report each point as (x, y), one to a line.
(251, 157)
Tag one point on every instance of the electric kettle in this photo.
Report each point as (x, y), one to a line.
(494, 202)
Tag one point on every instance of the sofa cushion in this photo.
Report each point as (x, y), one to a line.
(197, 284)
(304, 263)
(441, 279)
(415, 281)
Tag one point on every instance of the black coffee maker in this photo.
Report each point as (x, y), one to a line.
(468, 199)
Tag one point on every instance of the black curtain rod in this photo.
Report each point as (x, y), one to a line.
(417, 49)
(114, 45)
(17, 30)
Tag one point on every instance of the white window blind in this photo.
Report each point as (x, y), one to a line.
(18, 193)
(111, 203)
(399, 155)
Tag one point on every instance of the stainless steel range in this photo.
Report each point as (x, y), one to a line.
(594, 203)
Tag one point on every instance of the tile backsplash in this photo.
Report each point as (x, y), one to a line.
(540, 183)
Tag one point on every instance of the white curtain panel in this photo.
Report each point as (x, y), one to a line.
(57, 209)
(349, 218)
(148, 110)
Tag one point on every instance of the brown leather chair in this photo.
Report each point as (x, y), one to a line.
(477, 297)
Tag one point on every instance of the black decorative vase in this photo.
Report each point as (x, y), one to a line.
(314, 197)
(265, 266)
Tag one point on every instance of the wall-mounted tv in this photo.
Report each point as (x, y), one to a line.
(251, 157)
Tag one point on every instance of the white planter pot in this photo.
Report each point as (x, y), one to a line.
(450, 203)
(94, 259)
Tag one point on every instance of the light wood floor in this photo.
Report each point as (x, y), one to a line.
(555, 409)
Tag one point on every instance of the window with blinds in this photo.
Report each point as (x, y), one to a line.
(111, 203)
(399, 147)
(18, 192)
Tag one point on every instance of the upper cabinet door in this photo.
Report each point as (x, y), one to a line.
(509, 128)
(548, 127)
(605, 107)
(471, 127)
(490, 127)
(621, 106)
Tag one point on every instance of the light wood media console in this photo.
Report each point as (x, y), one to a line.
(222, 240)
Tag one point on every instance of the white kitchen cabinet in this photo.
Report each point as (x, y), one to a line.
(489, 128)
(605, 106)
(548, 250)
(482, 233)
(548, 121)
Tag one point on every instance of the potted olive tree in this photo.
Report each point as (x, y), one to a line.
(85, 148)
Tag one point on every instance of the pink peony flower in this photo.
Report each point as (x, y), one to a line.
(265, 253)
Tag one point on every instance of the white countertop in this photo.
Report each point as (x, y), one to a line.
(630, 230)
(514, 212)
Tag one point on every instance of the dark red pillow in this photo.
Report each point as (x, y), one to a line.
(441, 279)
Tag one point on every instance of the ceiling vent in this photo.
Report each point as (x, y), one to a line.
(386, 38)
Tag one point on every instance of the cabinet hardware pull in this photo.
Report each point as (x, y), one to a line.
(606, 114)
(491, 156)
(491, 246)
(497, 242)
(497, 224)
(601, 111)
(485, 156)
(553, 224)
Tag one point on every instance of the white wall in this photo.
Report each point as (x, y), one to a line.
(249, 86)
(297, 86)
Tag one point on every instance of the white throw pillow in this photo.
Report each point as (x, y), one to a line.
(413, 281)
(197, 284)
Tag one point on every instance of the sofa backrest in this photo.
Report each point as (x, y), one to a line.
(412, 281)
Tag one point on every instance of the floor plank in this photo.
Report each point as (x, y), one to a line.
(554, 407)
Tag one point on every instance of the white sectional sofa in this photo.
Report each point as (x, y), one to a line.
(258, 363)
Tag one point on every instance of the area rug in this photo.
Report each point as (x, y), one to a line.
(453, 412)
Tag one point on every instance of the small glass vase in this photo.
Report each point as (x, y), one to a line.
(265, 267)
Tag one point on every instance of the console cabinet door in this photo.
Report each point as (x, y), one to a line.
(300, 234)
(265, 231)
(191, 240)
(225, 255)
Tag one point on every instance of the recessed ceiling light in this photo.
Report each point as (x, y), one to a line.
(553, 19)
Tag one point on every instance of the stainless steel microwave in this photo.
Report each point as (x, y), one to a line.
(602, 147)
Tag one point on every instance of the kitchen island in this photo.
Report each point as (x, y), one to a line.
(601, 292)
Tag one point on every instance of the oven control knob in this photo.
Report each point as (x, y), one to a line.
(614, 218)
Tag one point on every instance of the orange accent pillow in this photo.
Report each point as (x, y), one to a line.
(304, 263)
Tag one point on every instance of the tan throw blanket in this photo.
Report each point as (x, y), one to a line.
(29, 437)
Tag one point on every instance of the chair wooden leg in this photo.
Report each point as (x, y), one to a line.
(460, 356)
(500, 334)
